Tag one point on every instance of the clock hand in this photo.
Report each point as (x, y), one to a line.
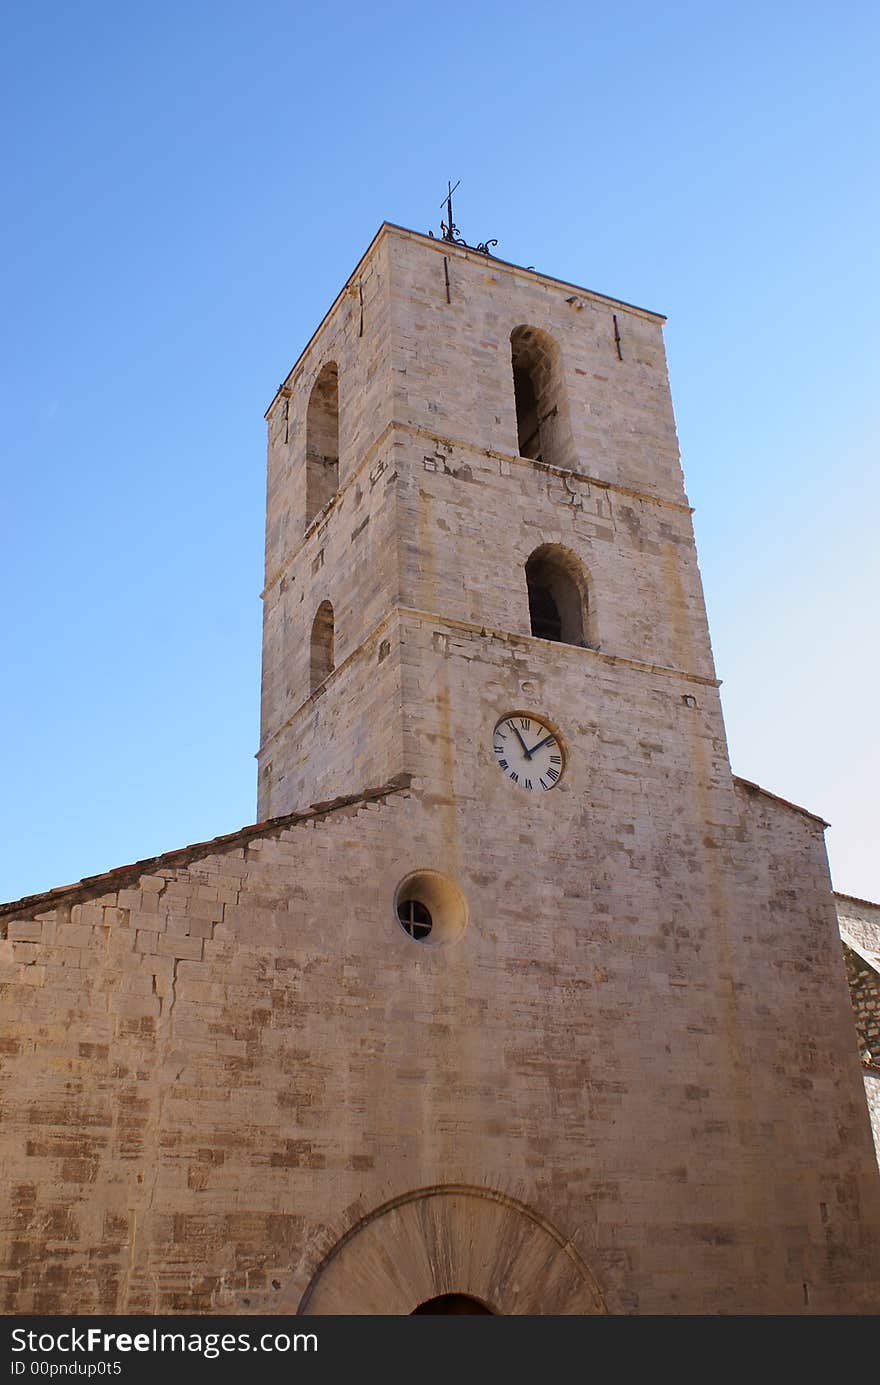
(528, 753)
(551, 737)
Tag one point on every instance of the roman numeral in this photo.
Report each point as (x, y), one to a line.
(525, 723)
(504, 764)
(502, 735)
(514, 776)
(553, 774)
(543, 785)
(556, 759)
(527, 783)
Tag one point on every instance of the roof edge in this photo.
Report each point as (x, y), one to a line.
(777, 798)
(184, 855)
(446, 246)
(286, 381)
(871, 959)
(856, 899)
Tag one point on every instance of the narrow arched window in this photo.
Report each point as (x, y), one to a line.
(537, 393)
(321, 660)
(322, 441)
(559, 597)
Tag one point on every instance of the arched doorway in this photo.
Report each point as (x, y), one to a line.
(457, 1305)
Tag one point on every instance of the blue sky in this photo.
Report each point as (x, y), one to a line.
(189, 186)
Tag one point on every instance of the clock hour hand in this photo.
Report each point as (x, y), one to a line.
(551, 737)
(528, 753)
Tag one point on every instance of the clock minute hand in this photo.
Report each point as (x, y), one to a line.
(528, 753)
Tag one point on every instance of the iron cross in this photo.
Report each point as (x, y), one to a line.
(448, 226)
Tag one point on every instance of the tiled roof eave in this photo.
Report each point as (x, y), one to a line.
(92, 885)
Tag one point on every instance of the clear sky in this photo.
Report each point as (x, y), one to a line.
(188, 187)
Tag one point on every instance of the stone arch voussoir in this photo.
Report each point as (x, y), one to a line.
(452, 1239)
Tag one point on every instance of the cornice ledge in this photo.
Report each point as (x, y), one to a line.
(512, 637)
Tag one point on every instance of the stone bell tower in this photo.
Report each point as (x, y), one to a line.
(454, 420)
(481, 576)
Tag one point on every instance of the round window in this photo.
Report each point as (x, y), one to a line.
(430, 908)
(415, 917)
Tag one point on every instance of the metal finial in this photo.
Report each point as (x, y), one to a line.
(449, 229)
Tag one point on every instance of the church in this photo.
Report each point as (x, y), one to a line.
(515, 999)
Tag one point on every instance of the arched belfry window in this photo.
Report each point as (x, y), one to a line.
(321, 660)
(537, 392)
(559, 597)
(322, 441)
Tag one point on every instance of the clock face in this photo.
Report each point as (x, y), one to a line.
(527, 751)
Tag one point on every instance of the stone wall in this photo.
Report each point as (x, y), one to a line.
(346, 553)
(864, 991)
(859, 922)
(872, 1092)
(453, 371)
(217, 1067)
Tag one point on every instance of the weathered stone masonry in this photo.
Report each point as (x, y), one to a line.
(233, 1083)
(859, 922)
